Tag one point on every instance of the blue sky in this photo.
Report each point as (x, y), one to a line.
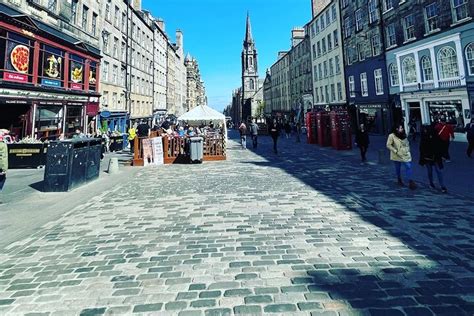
(214, 31)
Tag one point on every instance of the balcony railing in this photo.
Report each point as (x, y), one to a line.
(450, 83)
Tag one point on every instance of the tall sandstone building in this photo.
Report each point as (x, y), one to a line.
(318, 6)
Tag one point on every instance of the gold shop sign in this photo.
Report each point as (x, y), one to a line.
(24, 151)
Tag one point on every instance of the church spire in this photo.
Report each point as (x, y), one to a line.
(248, 31)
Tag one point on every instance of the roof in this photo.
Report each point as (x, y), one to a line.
(202, 113)
(34, 23)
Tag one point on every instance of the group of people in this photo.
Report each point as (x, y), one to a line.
(434, 150)
(274, 130)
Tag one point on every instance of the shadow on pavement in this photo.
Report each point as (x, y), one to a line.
(436, 269)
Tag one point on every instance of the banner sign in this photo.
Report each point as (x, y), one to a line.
(8, 76)
(147, 149)
(157, 143)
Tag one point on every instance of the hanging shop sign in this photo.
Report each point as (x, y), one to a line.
(105, 114)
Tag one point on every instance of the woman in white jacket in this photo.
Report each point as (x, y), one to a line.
(399, 147)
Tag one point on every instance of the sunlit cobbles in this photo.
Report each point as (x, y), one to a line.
(280, 308)
(147, 308)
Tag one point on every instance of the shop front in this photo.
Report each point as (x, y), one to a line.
(48, 80)
(377, 118)
(428, 108)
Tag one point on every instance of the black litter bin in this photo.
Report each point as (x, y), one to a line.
(71, 163)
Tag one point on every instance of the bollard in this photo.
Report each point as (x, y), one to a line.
(383, 160)
(113, 166)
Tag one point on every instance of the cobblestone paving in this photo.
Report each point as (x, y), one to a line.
(301, 233)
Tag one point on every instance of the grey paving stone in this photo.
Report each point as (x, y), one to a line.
(177, 305)
(258, 299)
(248, 310)
(210, 294)
(147, 308)
(218, 312)
(307, 306)
(280, 308)
(237, 292)
(93, 311)
(203, 303)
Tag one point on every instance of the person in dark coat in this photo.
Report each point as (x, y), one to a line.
(470, 137)
(431, 155)
(362, 141)
(274, 130)
(287, 129)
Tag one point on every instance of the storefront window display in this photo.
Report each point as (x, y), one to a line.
(375, 118)
(48, 121)
(93, 76)
(51, 67)
(76, 72)
(16, 58)
(74, 115)
(450, 110)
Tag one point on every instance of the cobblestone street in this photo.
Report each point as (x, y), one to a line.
(304, 232)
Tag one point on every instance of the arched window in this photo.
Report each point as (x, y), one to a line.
(250, 61)
(409, 70)
(470, 58)
(448, 63)
(251, 84)
(426, 68)
(393, 71)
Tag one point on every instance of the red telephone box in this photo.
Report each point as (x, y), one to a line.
(324, 129)
(341, 130)
(311, 131)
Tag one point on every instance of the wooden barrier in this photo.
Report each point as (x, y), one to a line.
(214, 148)
(175, 149)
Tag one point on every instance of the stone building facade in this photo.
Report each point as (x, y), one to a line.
(430, 59)
(324, 31)
(160, 66)
(196, 94)
(281, 97)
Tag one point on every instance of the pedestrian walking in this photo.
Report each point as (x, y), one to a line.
(274, 129)
(431, 155)
(399, 147)
(3, 162)
(470, 137)
(287, 129)
(254, 133)
(362, 141)
(298, 132)
(243, 135)
(446, 134)
(132, 134)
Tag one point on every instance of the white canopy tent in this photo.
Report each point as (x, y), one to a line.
(202, 114)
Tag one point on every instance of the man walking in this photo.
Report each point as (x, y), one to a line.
(254, 133)
(470, 137)
(243, 135)
(446, 134)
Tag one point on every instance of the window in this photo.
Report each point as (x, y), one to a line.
(448, 63)
(115, 74)
(115, 48)
(431, 17)
(470, 58)
(409, 70)
(123, 51)
(351, 86)
(105, 38)
(372, 8)
(333, 92)
(117, 17)
(317, 26)
(364, 89)
(323, 44)
(107, 10)
(328, 18)
(124, 22)
(334, 12)
(315, 73)
(391, 36)
(85, 15)
(331, 67)
(94, 24)
(375, 43)
(52, 5)
(329, 42)
(105, 99)
(105, 71)
(460, 10)
(325, 66)
(387, 5)
(326, 89)
(409, 27)
(393, 72)
(361, 51)
(338, 65)
(320, 71)
(339, 91)
(314, 51)
(358, 19)
(74, 11)
(335, 36)
(322, 94)
(123, 73)
(347, 27)
(321, 20)
(427, 69)
(319, 48)
(378, 81)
